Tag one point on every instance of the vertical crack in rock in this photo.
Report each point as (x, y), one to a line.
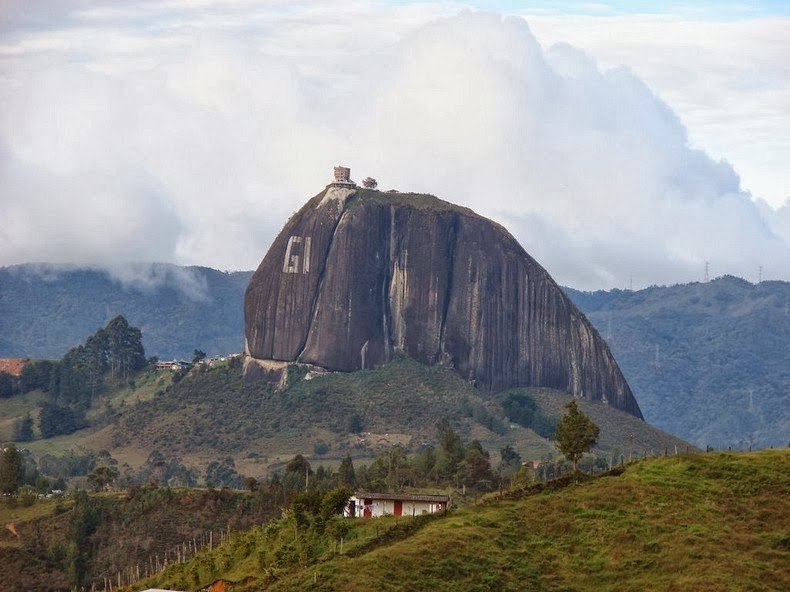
(321, 274)
(386, 286)
(451, 250)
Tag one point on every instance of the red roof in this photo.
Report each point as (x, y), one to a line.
(12, 366)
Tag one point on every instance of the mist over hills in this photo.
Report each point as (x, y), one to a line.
(46, 309)
(706, 361)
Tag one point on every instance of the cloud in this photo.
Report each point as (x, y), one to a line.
(189, 133)
(142, 277)
(728, 77)
(151, 277)
(590, 170)
(89, 217)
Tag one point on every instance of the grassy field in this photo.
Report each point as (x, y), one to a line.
(700, 522)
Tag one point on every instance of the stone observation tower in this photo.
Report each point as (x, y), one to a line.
(343, 177)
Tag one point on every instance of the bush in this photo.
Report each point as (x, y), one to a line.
(27, 496)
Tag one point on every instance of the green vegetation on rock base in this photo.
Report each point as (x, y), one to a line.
(189, 420)
(214, 412)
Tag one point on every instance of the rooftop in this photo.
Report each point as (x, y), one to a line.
(410, 497)
(12, 366)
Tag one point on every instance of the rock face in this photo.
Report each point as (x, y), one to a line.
(358, 275)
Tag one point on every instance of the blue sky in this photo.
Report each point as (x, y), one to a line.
(622, 143)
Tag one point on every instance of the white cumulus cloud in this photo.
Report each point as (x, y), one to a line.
(188, 133)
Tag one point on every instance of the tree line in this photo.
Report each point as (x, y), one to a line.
(108, 357)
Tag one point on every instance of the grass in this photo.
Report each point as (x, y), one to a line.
(13, 514)
(696, 522)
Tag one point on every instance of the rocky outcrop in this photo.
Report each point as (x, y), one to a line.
(358, 275)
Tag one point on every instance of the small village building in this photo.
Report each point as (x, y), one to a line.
(173, 365)
(372, 505)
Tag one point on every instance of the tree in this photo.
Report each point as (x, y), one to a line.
(298, 465)
(334, 501)
(476, 466)
(449, 453)
(223, 473)
(125, 347)
(55, 420)
(103, 478)
(321, 447)
(355, 424)
(83, 368)
(346, 475)
(370, 183)
(12, 469)
(251, 483)
(83, 523)
(6, 385)
(520, 409)
(38, 375)
(575, 434)
(198, 356)
(23, 429)
(510, 462)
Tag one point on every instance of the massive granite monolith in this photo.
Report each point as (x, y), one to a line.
(358, 275)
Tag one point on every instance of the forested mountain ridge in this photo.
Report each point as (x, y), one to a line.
(707, 361)
(47, 309)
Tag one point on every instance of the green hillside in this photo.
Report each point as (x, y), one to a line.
(718, 521)
(210, 414)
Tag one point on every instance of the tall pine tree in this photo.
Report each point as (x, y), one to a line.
(12, 469)
(575, 434)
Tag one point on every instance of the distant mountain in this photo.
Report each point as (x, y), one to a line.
(47, 309)
(708, 362)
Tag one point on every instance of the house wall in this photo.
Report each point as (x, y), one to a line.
(387, 507)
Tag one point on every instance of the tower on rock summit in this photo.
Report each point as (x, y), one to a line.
(343, 177)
